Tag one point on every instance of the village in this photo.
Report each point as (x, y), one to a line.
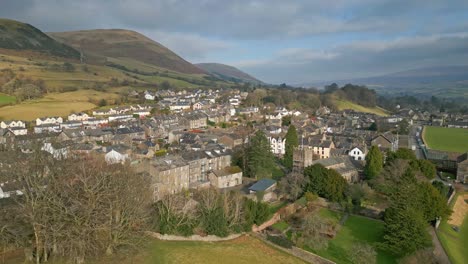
(185, 140)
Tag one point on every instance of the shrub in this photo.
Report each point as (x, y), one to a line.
(280, 241)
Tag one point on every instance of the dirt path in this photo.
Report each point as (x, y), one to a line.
(439, 251)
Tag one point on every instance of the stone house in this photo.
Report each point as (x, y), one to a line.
(225, 178)
(462, 168)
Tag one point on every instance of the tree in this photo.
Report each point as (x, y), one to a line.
(362, 253)
(293, 185)
(316, 230)
(431, 202)
(74, 207)
(68, 67)
(102, 102)
(373, 127)
(405, 230)
(291, 142)
(374, 163)
(441, 187)
(427, 168)
(260, 159)
(286, 121)
(327, 183)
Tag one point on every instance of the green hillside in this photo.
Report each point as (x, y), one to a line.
(19, 36)
(103, 45)
(344, 105)
(227, 72)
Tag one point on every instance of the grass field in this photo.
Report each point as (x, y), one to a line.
(243, 250)
(356, 229)
(343, 105)
(6, 99)
(454, 243)
(54, 104)
(446, 139)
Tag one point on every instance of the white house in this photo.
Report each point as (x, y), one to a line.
(113, 157)
(78, 117)
(358, 153)
(277, 144)
(149, 96)
(18, 131)
(142, 113)
(49, 120)
(12, 123)
(180, 106)
(57, 151)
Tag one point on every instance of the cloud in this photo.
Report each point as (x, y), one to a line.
(277, 40)
(361, 59)
(189, 46)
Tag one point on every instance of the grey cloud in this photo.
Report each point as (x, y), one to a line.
(362, 59)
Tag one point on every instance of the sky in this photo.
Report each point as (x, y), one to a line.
(291, 41)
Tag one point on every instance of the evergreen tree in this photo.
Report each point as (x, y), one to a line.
(327, 183)
(291, 142)
(374, 163)
(260, 159)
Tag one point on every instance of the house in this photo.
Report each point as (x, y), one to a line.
(149, 96)
(18, 131)
(12, 123)
(48, 128)
(116, 154)
(57, 150)
(227, 177)
(386, 141)
(458, 124)
(78, 117)
(277, 144)
(343, 165)
(9, 189)
(169, 175)
(120, 117)
(462, 168)
(266, 187)
(49, 120)
(71, 125)
(180, 105)
(358, 153)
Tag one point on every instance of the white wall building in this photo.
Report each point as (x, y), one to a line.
(49, 120)
(357, 153)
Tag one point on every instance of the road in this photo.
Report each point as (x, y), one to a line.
(415, 140)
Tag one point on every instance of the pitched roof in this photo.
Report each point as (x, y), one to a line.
(262, 185)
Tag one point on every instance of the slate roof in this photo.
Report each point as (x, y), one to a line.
(262, 185)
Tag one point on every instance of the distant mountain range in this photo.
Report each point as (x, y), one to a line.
(443, 81)
(228, 73)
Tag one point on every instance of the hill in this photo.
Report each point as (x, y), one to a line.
(442, 81)
(345, 105)
(111, 46)
(19, 36)
(226, 72)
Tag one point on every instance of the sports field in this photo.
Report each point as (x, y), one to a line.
(446, 139)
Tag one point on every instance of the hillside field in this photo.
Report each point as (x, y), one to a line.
(343, 105)
(446, 139)
(54, 104)
(6, 99)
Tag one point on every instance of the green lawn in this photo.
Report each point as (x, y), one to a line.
(242, 250)
(446, 139)
(355, 229)
(454, 243)
(6, 99)
(344, 105)
(280, 226)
